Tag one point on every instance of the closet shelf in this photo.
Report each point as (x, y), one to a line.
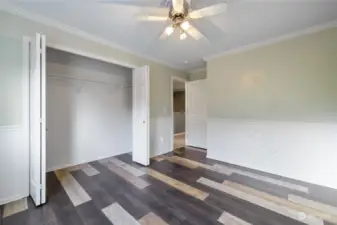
(87, 81)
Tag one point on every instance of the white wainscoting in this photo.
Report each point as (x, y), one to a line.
(160, 143)
(298, 150)
(14, 173)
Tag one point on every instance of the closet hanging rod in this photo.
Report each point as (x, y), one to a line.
(88, 81)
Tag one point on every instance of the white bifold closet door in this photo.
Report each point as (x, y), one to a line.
(196, 114)
(141, 118)
(37, 151)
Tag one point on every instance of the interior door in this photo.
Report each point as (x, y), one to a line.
(196, 115)
(37, 187)
(141, 105)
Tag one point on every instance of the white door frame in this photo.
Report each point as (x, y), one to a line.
(173, 78)
(100, 58)
(93, 55)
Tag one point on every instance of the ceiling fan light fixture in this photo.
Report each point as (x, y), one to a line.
(169, 30)
(185, 25)
(183, 36)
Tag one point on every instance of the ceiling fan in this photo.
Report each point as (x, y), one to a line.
(179, 13)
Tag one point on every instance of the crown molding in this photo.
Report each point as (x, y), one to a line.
(17, 11)
(274, 40)
(202, 69)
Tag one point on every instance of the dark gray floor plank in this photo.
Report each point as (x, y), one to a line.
(121, 191)
(91, 214)
(60, 203)
(99, 196)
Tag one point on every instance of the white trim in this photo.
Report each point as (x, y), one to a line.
(11, 128)
(179, 134)
(54, 168)
(44, 120)
(25, 105)
(202, 69)
(91, 55)
(172, 108)
(274, 40)
(75, 31)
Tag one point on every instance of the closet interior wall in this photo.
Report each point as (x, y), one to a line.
(89, 109)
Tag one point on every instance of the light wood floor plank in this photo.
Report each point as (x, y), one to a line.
(118, 215)
(187, 189)
(313, 204)
(229, 219)
(202, 165)
(182, 162)
(136, 181)
(73, 168)
(177, 160)
(151, 219)
(197, 149)
(159, 158)
(281, 201)
(134, 171)
(74, 190)
(89, 170)
(270, 205)
(262, 178)
(15, 207)
(192, 162)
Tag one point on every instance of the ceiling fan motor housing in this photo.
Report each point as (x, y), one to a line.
(178, 17)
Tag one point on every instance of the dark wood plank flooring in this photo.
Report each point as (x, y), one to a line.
(165, 201)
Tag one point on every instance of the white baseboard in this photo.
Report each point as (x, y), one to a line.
(12, 199)
(54, 168)
(179, 134)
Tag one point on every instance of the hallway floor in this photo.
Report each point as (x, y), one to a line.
(179, 140)
(186, 189)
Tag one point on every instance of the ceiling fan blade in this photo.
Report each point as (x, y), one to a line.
(178, 5)
(208, 11)
(152, 18)
(194, 33)
(163, 36)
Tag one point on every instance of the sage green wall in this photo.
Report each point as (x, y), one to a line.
(11, 69)
(199, 75)
(274, 108)
(292, 80)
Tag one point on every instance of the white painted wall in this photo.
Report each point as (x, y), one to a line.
(179, 122)
(274, 108)
(14, 151)
(61, 36)
(86, 121)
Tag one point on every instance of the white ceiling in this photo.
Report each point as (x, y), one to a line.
(246, 22)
